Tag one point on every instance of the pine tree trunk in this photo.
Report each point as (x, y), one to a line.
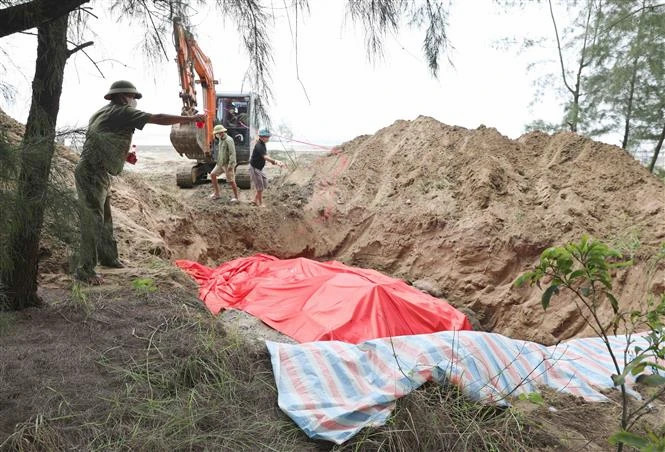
(20, 282)
(633, 80)
(629, 107)
(576, 110)
(656, 151)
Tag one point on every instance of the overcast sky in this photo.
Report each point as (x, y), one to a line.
(349, 95)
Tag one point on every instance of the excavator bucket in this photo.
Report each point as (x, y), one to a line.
(189, 140)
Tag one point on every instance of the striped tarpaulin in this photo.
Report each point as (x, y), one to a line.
(333, 389)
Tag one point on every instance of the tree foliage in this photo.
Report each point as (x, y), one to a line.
(612, 70)
(628, 78)
(254, 23)
(384, 16)
(574, 40)
(585, 269)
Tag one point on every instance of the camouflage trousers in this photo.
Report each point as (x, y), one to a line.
(97, 243)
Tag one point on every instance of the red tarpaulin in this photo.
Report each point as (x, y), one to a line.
(313, 301)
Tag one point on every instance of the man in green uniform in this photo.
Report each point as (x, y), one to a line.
(226, 162)
(105, 150)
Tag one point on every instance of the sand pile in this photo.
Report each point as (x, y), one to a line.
(466, 211)
(459, 213)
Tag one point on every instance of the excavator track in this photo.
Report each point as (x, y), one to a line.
(186, 179)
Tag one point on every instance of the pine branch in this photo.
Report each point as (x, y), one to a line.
(558, 46)
(79, 47)
(631, 14)
(295, 43)
(159, 38)
(32, 14)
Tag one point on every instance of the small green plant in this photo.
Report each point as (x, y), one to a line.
(441, 184)
(649, 443)
(533, 397)
(628, 243)
(78, 293)
(585, 269)
(424, 186)
(144, 286)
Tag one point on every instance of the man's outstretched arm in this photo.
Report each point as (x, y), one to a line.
(163, 119)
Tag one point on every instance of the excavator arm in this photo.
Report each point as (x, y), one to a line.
(195, 143)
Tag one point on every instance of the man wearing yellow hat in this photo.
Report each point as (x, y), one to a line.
(226, 162)
(105, 151)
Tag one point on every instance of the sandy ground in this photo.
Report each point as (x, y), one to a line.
(459, 213)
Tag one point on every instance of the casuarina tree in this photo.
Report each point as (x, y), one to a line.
(18, 275)
(610, 63)
(627, 78)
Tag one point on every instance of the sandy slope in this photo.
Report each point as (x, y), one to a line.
(459, 212)
(468, 210)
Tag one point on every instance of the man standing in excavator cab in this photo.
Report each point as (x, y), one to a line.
(105, 151)
(226, 162)
(236, 118)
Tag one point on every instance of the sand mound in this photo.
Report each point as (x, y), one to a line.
(466, 211)
(459, 213)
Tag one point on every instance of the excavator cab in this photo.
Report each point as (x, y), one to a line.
(234, 111)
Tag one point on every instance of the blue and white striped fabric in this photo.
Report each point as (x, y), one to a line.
(333, 389)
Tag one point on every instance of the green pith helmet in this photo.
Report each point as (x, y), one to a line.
(123, 87)
(218, 129)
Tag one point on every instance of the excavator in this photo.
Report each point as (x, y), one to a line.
(233, 110)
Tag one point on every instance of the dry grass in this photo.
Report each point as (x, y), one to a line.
(208, 391)
(191, 387)
(439, 417)
(180, 381)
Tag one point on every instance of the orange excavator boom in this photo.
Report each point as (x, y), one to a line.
(187, 139)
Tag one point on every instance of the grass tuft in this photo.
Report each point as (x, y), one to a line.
(7, 319)
(37, 434)
(440, 417)
(207, 390)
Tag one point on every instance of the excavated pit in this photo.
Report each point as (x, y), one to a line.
(457, 212)
(460, 213)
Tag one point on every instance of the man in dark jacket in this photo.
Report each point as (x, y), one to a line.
(105, 150)
(256, 163)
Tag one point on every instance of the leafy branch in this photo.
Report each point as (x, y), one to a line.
(585, 269)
